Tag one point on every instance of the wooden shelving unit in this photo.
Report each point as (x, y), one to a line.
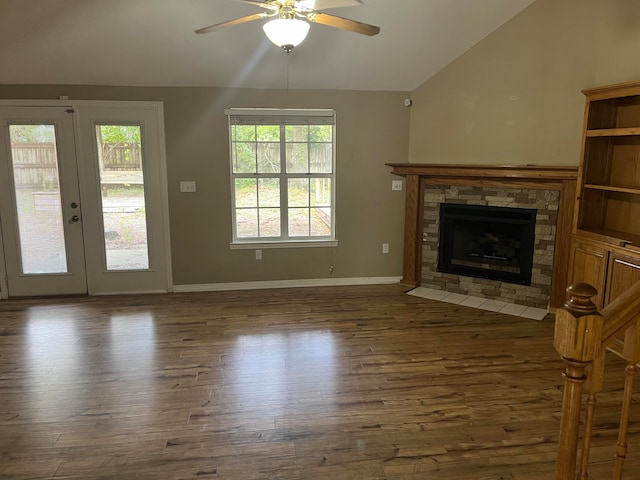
(607, 221)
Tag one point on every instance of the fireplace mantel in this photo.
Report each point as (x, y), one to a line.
(561, 178)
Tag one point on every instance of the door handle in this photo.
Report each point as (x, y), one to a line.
(74, 219)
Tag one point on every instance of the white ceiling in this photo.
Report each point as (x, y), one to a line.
(152, 43)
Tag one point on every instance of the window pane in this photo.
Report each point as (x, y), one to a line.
(244, 157)
(246, 192)
(124, 214)
(269, 222)
(268, 133)
(243, 133)
(297, 158)
(37, 195)
(321, 157)
(298, 222)
(269, 192)
(321, 133)
(268, 155)
(298, 192)
(320, 192)
(247, 222)
(321, 221)
(297, 133)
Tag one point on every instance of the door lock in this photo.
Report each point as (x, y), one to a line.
(74, 205)
(75, 219)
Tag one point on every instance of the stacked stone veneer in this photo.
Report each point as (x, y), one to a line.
(545, 201)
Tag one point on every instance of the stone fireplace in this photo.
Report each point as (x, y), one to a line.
(550, 190)
(527, 230)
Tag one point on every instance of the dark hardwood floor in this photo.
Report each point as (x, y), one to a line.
(314, 383)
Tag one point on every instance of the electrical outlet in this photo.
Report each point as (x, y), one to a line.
(258, 254)
(189, 187)
(396, 185)
(385, 248)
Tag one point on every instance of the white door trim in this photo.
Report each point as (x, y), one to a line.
(4, 288)
(162, 161)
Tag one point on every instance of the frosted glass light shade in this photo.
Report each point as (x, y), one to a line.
(286, 32)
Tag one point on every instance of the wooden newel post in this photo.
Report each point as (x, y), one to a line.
(577, 338)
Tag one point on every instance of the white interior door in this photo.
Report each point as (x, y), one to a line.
(102, 226)
(40, 202)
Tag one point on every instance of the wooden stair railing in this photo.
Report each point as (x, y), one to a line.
(582, 337)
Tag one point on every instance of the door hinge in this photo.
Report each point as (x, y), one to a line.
(70, 110)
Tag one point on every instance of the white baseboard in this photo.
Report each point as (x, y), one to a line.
(140, 292)
(311, 282)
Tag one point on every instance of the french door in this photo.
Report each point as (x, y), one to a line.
(83, 200)
(40, 203)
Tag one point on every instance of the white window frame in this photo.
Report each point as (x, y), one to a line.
(282, 117)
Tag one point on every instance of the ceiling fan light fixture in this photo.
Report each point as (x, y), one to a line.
(286, 32)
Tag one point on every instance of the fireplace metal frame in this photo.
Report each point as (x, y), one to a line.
(450, 212)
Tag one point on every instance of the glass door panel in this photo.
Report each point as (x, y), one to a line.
(122, 197)
(123, 185)
(36, 191)
(40, 207)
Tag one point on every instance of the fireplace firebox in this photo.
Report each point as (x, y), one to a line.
(480, 241)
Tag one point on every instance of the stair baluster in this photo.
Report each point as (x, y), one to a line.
(578, 331)
(595, 380)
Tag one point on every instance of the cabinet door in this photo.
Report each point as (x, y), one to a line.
(589, 265)
(623, 272)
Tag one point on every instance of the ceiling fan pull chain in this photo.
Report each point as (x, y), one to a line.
(288, 54)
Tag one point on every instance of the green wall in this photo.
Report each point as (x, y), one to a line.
(372, 129)
(514, 98)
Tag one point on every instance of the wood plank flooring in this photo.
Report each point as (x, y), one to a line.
(315, 383)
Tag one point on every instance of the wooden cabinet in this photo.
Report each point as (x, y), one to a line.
(589, 265)
(606, 245)
(623, 272)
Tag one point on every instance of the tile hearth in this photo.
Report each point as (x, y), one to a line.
(480, 303)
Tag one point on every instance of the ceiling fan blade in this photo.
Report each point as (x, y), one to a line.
(343, 23)
(306, 5)
(326, 4)
(237, 21)
(270, 5)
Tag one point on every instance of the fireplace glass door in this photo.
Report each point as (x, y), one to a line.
(487, 242)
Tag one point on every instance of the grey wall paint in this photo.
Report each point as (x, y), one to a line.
(372, 129)
(514, 98)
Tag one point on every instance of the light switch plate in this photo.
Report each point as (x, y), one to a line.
(189, 187)
(396, 185)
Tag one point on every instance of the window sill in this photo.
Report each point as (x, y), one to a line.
(282, 244)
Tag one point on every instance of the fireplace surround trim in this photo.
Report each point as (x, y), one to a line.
(560, 178)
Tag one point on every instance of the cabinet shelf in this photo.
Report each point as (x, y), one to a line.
(613, 132)
(613, 188)
(612, 237)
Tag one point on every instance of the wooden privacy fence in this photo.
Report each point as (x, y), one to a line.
(121, 157)
(582, 337)
(35, 163)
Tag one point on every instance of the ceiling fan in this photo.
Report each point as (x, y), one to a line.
(290, 19)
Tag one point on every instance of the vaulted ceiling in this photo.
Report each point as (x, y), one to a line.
(152, 43)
